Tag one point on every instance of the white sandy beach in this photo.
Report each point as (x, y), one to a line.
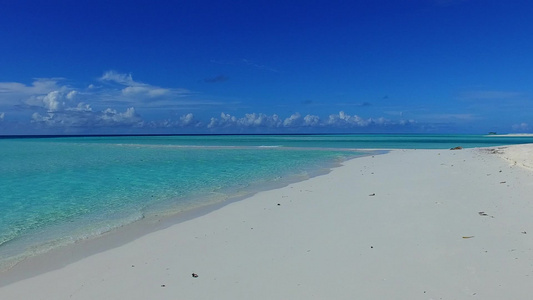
(410, 224)
(513, 134)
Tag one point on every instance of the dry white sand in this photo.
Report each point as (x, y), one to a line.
(410, 224)
(512, 134)
(520, 155)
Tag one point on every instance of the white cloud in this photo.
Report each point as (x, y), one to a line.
(13, 87)
(296, 120)
(62, 110)
(48, 103)
(119, 100)
(259, 120)
(124, 79)
(225, 119)
(248, 121)
(344, 120)
(293, 120)
(111, 115)
(80, 107)
(52, 101)
(57, 100)
(85, 117)
(187, 119)
(311, 120)
(340, 120)
(116, 91)
(13, 93)
(151, 92)
(72, 94)
(522, 127)
(183, 121)
(134, 89)
(38, 86)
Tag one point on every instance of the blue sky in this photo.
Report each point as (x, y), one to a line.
(361, 66)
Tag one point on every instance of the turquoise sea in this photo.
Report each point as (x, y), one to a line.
(58, 190)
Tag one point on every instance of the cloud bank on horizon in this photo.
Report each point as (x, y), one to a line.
(112, 104)
(363, 66)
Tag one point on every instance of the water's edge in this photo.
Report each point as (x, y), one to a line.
(61, 256)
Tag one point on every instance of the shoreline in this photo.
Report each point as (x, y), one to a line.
(63, 255)
(405, 224)
(511, 135)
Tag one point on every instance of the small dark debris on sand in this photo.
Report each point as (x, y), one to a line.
(194, 275)
(494, 151)
(482, 213)
(373, 194)
(456, 148)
